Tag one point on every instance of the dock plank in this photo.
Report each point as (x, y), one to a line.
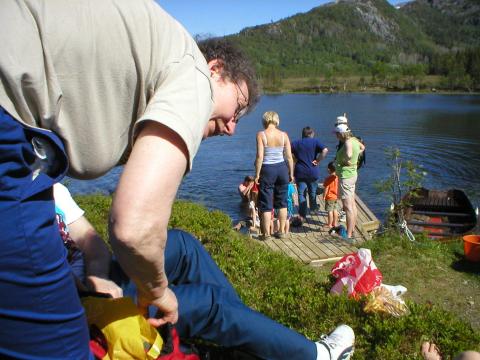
(271, 244)
(306, 247)
(314, 247)
(311, 244)
(299, 253)
(285, 249)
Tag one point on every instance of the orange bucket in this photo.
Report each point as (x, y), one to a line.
(471, 247)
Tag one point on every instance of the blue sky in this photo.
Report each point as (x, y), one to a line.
(224, 17)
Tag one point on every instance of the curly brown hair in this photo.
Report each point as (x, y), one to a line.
(236, 65)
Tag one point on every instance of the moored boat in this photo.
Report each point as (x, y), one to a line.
(439, 213)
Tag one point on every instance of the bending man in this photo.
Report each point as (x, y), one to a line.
(87, 86)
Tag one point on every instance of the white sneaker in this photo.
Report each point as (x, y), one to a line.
(342, 216)
(339, 343)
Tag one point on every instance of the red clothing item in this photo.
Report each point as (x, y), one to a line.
(331, 188)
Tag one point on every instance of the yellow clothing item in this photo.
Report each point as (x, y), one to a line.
(128, 333)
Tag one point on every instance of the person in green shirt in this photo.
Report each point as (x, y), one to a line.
(346, 164)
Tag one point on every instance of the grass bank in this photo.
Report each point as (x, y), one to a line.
(443, 300)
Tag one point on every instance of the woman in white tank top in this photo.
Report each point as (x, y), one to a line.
(274, 170)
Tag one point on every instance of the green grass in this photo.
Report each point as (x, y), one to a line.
(439, 296)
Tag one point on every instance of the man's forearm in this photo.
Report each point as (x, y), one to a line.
(322, 155)
(143, 262)
(142, 206)
(97, 260)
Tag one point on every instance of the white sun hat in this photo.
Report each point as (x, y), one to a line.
(342, 128)
(342, 119)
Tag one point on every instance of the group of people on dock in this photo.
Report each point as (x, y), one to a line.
(284, 169)
(87, 86)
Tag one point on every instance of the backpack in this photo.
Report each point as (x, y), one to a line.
(362, 157)
(119, 331)
(341, 231)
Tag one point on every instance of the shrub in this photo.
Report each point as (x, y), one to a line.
(296, 296)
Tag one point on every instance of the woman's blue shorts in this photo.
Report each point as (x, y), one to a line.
(274, 181)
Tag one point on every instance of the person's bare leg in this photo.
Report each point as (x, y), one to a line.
(265, 222)
(355, 214)
(273, 226)
(282, 218)
(335, 218)
(330, 220)
(348, 204)
(252, 214)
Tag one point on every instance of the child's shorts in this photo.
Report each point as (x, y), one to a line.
(332, 205)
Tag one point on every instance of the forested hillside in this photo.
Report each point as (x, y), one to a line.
(449, 23)
(373, 43)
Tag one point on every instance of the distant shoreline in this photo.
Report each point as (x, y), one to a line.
(430, 84)
(371, 92)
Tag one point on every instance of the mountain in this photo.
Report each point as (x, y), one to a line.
(449, 23)
(350, 36)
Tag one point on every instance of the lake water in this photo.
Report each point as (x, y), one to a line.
(439, 132)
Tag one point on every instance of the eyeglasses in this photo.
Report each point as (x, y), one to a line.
(241, 108)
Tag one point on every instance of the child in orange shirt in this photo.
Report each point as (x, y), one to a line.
(330, 195)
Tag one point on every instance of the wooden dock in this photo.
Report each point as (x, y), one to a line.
(311, 244)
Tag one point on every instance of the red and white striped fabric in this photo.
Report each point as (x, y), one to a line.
(357, 272)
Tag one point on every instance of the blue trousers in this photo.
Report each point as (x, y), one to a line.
(210, 309)
(305, 186)
(40, 314)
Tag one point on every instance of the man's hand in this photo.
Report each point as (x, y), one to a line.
(320, 157)
(167, 308)
(104, 286)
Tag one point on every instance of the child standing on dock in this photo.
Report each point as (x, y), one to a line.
(330, 195)
(292, 202)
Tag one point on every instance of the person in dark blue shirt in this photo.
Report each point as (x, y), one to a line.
(308, 152)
